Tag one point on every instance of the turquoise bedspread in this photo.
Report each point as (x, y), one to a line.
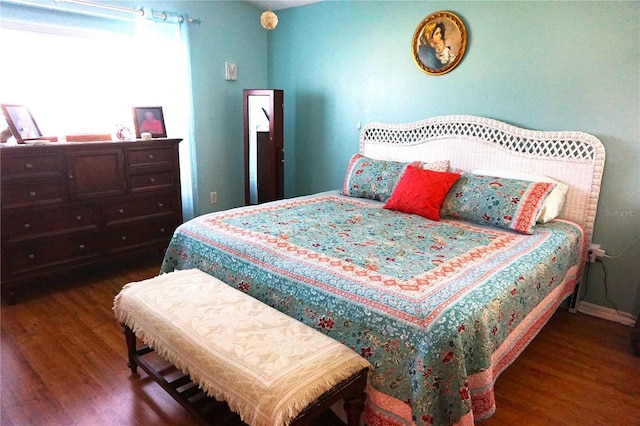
(427, 303)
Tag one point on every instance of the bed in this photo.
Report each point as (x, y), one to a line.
(439, 305)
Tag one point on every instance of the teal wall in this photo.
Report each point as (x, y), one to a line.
(540, 65)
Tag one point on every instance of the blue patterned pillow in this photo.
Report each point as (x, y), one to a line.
(503, 203)
(373, 179)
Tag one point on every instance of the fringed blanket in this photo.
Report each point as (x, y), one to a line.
(438, 308)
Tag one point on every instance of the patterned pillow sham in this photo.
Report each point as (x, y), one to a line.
(376, 179)
(552, 205)
(437, 166)
(373, 179)
(503, 203)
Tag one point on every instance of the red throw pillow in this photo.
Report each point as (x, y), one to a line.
(421, 192)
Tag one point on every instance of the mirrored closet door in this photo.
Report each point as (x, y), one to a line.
(263, 145)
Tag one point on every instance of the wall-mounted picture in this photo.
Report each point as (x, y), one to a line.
(439, 43)
(149, 120)
(21, 123)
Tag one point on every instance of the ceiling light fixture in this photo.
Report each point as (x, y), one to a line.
(268, 19)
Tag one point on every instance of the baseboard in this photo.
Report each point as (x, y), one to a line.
(605, 313)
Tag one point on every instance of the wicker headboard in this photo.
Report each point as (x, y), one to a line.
(471, 142)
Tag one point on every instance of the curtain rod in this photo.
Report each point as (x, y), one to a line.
(140, 12)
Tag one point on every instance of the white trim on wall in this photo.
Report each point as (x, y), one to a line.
(606, 313)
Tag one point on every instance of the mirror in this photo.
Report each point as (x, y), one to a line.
(264, 147)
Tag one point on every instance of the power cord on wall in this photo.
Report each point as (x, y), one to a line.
(606, 289)
(624, 250)
(586, 279)
(604, 270)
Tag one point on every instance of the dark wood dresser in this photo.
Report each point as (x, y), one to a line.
(70, 205)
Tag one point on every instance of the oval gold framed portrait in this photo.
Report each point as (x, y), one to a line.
(439, 43)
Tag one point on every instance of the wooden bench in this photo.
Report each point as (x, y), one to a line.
(269, 368)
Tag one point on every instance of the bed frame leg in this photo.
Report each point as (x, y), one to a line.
(573, 299)
(131, 348)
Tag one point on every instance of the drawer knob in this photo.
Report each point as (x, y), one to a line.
(32, 194)
(27, 225)
(123, 238)
(120, 211)
(160, 204)
(28, 166)
(31, 256)
(152, 180)
(162, 230)
(78, 218)
(81, 246)
(150, 156)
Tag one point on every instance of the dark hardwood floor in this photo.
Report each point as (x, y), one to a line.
(63, 362)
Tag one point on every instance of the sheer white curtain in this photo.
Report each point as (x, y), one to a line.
(75, 80)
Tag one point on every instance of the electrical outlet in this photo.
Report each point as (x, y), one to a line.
(595, 252)
(213, 197)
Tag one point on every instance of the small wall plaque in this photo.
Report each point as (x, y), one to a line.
(230, 71)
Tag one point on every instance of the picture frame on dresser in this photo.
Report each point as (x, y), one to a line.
(21, 123)
(149, 120)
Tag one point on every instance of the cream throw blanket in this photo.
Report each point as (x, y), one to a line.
(267, 366)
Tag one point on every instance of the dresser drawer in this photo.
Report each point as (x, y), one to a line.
(127, 209)
(150, 156)
(29, 223)
(141, 233)
(32, 167)
(24, 194)
(48, 253)
(152, 181)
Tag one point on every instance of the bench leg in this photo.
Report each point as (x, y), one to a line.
(354, 403)
(131, 348)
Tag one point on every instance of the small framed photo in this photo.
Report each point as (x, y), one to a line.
(439, 43)
(149, 120)
(21, 123)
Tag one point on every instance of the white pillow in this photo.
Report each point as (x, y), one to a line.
(554, 202)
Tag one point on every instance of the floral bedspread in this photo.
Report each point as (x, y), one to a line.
(427, 303)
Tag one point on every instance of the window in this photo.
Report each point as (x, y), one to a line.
(85, 76)
(87, 82)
